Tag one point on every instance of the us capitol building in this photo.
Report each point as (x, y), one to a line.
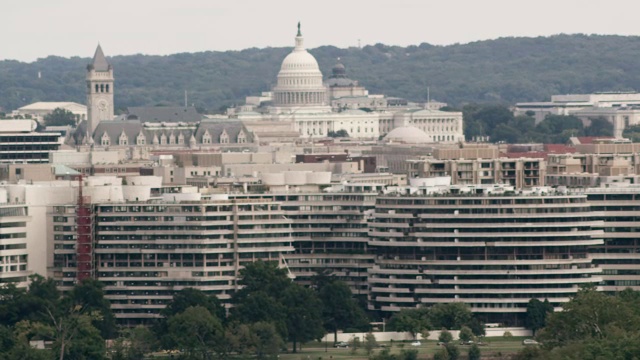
(315, 107)
(300, 106)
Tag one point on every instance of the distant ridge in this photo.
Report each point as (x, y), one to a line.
(505, 70)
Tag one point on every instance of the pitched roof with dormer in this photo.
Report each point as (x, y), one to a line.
(215, 128)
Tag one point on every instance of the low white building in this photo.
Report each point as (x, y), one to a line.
(40, 109)
(622, 109)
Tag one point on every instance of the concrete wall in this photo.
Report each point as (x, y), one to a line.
(433, 335)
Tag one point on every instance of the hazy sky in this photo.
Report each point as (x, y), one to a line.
(31, 29)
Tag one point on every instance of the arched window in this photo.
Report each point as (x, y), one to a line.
(101, 88)
(107, 87)
(97, 88)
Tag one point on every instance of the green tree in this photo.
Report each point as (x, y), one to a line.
(410, 320)
(632, 133)
(370, 343)
(410, 354)
(599, 127)
(354, 344)
(474, 352)
(340, 310)
(60, 117)
(559, 128)
(198, 332)
(450, 315)
(73, 333)
(134, 344)
(260, 299)
(267, 342)
(339, 133)
(303, 314)
(465, 334)
(89, 296)
(537, 312)
(441, 354)
(452, 350)
(445, 336)
(476, 326)
(190, 297)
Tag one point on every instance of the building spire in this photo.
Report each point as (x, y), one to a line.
(99, 62)
(299, 32)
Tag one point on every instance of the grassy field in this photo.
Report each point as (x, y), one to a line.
(496, 348)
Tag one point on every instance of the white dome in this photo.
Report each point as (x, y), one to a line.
(299, 80)
(408, 134)
(299, 61)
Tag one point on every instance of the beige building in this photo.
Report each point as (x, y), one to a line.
(594, 164)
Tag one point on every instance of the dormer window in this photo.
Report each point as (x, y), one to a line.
(163, 139)
(123, 140)
(105, 140)
(172, 139)
(181, 139)
(140, 139)
(206, 137)
(224, 137)
(241, 137)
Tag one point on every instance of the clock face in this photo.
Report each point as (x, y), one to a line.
(102, 105)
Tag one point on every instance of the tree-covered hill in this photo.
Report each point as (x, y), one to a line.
(505, 70)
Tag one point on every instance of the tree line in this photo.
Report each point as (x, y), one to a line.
(269, 312)
(505, 71)
(500, 124)
(593, 325)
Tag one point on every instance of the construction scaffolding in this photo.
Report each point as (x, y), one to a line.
(84, 229)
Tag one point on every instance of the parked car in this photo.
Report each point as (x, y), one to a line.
(470, 342)
(341, 344)
(416, 343)
(530, 342)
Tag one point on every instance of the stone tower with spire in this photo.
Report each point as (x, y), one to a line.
(99, 91)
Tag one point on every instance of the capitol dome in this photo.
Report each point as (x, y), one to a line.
(299, 80)
(408, 135)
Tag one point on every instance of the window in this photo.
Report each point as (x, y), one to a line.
(206, 138)
(224, 137)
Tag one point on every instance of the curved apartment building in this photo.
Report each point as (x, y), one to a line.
(619, 255)
(493, 251)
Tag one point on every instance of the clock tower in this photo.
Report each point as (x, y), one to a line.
(99, 91)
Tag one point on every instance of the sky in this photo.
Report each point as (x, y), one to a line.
(32, 29)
